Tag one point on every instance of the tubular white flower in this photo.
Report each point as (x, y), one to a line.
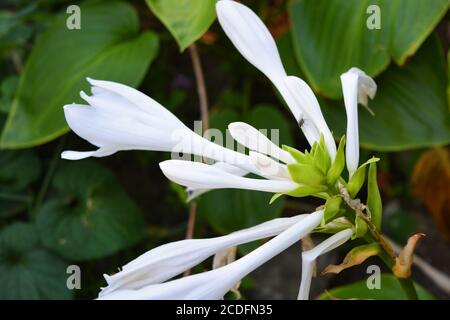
(119, 117)
(253, 139)
(196, 175)
(305, 97)
(310, 256)
(169, 260)
(216, 283)
(269, 167)
(196, 192)
(357, 87)
(253, 40)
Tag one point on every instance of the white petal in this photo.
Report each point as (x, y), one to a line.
(119, 133)
(216, 283)
(169, 260)
(203, 176)
(78, 155)
(357, 87)
(253, 40)
(307, 101)
(253, 139)
(251, 37)
(139, 99)
(114, 106)
(269, 167)
(309, 257)
(194, 193)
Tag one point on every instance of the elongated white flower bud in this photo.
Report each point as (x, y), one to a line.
(216, 283)
(169, 260)
(198, 175)
(119, 117)
(253, 40)
(357, 87)
(310, 256)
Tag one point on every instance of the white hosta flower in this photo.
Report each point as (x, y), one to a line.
(309, 257)
(216, 283)
(269, 167)
(305, 98)
(253, 139)
(357, 87)
(253, 40)
(167, 261)
(119, 117)
(196, 175)
(193, 193)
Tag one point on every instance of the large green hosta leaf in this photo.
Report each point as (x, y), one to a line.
(331, 36)
(27, 270)
(108, 46)
(187, 20)
(390, 290)
(90, 216)
(411, 108)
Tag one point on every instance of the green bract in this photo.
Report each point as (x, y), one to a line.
(373, 196)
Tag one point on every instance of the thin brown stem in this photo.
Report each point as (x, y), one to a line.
(203, 101)
(201, 87)
(17, 61)
(363, 212)
(190, 227)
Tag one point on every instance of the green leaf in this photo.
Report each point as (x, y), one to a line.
(286, 48)
(243, 209)
(27, 270)
(18, 169)
(360, 228)
(7, 90)
(332, 208)
(306, 174)
(411, 108)
(108, 46)
(358, 178)
(305, 191)
(275, 197)
(90, 216)
(328, 46)
(299, 156)
(373, 197)
(187, 20)
(390, 290)
(321, 158)
(338, 164)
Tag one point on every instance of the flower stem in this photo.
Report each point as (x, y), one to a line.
(388, 255)
(201, 87)
(203, 101)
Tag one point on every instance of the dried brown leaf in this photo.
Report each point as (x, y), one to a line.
(402, 267)
(431, 183)
(354, 257)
